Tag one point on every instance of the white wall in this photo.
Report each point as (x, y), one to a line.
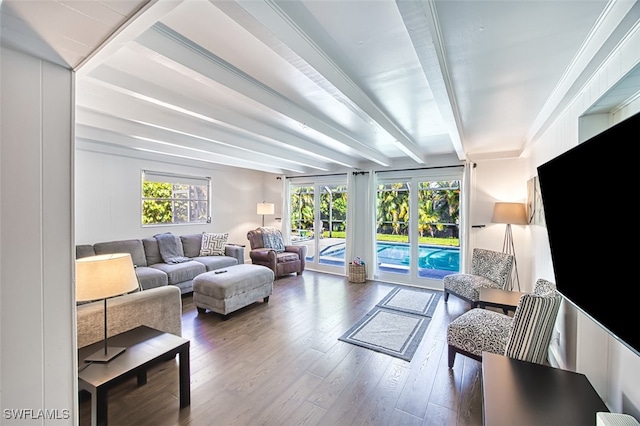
(502, 180)
(581, 344)
(108, 190)
(37, 332)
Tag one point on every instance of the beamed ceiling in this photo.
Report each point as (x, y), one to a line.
(307, 87)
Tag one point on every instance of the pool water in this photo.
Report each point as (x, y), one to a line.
(433, 261)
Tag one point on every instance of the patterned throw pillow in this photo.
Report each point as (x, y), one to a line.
(213, 244)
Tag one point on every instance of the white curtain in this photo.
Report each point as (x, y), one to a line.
(466, 193)
(370, 226)
(286, 213)
(361, 221)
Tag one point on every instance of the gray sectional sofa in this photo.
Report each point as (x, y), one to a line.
(153, 272)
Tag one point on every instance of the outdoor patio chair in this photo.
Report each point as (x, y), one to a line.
(525, 336)
(280, 258)
(489, 269)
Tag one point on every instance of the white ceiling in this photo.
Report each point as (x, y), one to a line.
(305, 87)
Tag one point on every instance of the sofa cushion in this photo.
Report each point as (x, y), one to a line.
(213, 244)
(180, 272)
(151, 277)
(216, 262)
(152, 251)
(191, 244)
(133, 247)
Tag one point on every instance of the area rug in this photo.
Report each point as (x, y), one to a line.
(396, 325)
(412, 300)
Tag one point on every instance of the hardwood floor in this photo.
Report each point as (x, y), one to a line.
(280, 363)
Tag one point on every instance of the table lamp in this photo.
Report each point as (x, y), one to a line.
(265, 208)
(511, 214)
(102, 277)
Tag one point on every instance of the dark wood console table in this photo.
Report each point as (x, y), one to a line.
(522, 393)
(145, 346)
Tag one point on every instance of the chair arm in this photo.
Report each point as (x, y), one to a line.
(302, 253)
(301, 250)
(264, 255)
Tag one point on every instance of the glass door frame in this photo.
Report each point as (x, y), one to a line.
(413, 181)
(314, 244)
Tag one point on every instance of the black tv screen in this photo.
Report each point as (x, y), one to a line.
(590, 196)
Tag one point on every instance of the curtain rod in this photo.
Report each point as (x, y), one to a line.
(324, 175)
(362, 172)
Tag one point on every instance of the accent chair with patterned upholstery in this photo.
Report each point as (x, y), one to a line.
(490, 269)
(268, 249)
(525, 336)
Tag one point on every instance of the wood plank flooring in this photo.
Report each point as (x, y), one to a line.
(280, 363)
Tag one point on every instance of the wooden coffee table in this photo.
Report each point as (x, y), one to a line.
(503, 299)
(145, 347)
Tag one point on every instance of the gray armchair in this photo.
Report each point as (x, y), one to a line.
(288, 261)
(489, 269)
(525, 336)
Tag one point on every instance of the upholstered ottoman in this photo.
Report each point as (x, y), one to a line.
(239, 286)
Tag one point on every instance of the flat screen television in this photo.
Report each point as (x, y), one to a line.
(591, 196)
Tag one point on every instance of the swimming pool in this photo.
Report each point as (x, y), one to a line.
(433, 261)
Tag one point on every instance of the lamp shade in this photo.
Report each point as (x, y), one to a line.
(265, 208)
(103, 276)
(511, 213)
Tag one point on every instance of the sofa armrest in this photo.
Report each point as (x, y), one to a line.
(159, 308)
(235, 250)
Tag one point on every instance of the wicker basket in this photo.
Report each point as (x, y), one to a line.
(357, 273)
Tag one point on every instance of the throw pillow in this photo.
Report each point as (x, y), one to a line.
(213, 244)
(272, 238)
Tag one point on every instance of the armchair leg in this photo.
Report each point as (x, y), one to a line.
(446, 296)
(452, 355)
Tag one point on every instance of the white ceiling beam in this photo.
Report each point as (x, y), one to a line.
(224, 120)
(610, 19)
(175, 47)
(421, 21)
(103, 136)
(121, 106)
(141, 21)
(144, 131)
(276, 17)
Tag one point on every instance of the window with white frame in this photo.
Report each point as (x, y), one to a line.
(171, 199)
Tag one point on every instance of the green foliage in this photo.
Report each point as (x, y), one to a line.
(167, 203)
(438, 211)
(155, 207)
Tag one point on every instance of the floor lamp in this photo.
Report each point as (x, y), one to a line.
(265, 208)
(511, 214)
(102, 277)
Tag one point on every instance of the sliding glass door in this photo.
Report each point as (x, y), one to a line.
(318, 220)
(417, 236)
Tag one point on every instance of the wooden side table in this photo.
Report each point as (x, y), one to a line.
(504, 299)
(145, 346)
